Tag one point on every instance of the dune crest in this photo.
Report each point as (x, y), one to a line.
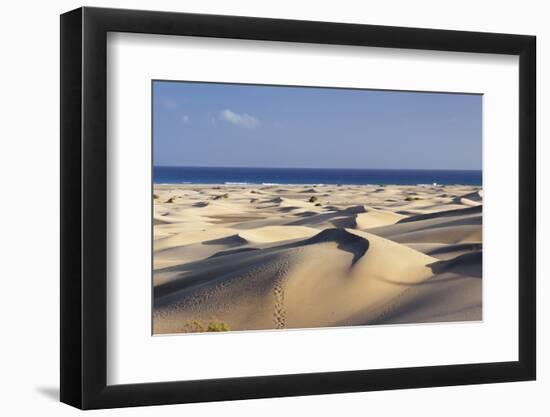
(277, 233)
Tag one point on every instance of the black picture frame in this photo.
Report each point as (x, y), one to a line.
(84, 207)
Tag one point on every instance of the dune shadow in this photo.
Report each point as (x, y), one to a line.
(456, 247)
(345, 222)
(334, 214)
(233, 240)
(306, 214)
(231, 252)
(288, 209)
(469, 264)
(439, 214)
(348, 242)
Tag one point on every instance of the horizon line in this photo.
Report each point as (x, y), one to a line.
(317, 168)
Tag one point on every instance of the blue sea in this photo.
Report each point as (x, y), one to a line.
(311, 176)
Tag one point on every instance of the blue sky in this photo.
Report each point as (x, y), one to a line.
(203, 124)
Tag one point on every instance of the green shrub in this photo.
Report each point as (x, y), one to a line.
(193, 327)
(196, 326)
(217, 327)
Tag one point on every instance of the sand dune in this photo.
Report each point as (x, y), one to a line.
(451, 227)
(453, 293)
(277, 233)
(245, 258)
(444, 250)
(376, 218)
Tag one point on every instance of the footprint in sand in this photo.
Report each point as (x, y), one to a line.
(279, 314)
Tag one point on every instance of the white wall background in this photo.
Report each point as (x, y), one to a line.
(29, 220)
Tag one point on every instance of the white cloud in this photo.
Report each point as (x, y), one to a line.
(242, 120)
(186, 119)
(170, 103)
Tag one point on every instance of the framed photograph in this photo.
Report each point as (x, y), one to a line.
(257, 208)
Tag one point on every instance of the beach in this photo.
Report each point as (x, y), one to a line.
(261, 257)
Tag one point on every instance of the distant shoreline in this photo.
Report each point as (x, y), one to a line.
(313, 176)
(317, 168)
(250, 184)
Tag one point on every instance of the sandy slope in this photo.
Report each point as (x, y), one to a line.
(271, 257)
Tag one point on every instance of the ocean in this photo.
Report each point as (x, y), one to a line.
(312, 176)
